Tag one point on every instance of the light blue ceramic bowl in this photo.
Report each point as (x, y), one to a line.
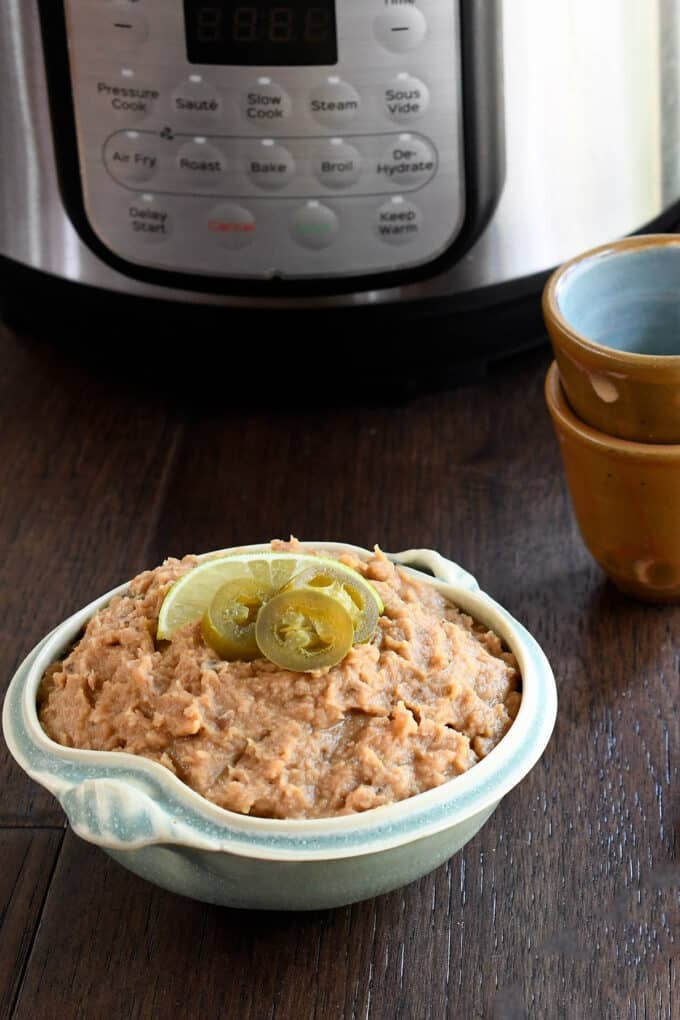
(153, 824)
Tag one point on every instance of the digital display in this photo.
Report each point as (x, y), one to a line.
(269, 34)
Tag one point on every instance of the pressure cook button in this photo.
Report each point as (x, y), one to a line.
(128, 98)
(409, 160)
(195, 100)
(400, 28)
(201, 164)
(334, 103)
(314, 226)
(266, 104)
(406, 98)
(337, 164)
(149, 219)
(232, 226)
(269, 165)
(398, 221)
(131, 156)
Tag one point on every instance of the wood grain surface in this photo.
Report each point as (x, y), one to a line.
(564, 907)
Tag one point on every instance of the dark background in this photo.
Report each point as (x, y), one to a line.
(115, 453)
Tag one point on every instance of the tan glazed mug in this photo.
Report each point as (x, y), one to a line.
(626, 498)
(613, 315)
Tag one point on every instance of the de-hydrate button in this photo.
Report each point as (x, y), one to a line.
(232, 226)
(314, 226)
(409, 160)
(132, 156)
(398, 221)
(266, 104)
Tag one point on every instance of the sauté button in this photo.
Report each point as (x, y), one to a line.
(232, 226)
(196, 101)
(314, 226)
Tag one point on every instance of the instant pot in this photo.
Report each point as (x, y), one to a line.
(382, 160)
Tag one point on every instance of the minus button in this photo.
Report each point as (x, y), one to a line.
(400, 30)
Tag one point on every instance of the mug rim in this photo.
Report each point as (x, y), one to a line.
(561, 410)
(612, 249)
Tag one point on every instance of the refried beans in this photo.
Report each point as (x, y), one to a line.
(429, 696)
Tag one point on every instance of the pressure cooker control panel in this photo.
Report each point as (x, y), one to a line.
(269, 139)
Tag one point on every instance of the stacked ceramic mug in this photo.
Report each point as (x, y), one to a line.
(613, 315)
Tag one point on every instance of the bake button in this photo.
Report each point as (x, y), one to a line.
(400, 28)
(408, 160)
(149, 219)
(232, 226)
(269, 165)
(334, 103)
(337, 164)
(266, 104)
(314, 226)
(201, 164)
(131, 156)
(195, 100)
(398, 221)
(406, 98)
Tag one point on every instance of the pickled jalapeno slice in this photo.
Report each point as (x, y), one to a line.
(228, 626)
(304, 629)
(354, 592)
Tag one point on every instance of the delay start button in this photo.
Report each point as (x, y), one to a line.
(266, 104)
(149, 219)
(409, 160)
(232, 226)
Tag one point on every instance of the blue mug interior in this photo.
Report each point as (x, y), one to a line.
(628, 301)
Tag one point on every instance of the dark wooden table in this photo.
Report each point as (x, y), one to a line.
(563, 906)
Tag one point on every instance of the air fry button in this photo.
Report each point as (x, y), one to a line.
(232, 226)
(409, 160)
(132, 156)
(148, 219)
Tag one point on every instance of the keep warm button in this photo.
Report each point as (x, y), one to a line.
(409, 160)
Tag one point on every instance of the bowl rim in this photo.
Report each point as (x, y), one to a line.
(560, 409)
(196, 822)
(646, 366)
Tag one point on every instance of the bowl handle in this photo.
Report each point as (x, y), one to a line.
(124, 815)
(434, 563)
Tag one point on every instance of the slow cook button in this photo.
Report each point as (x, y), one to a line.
(201, 164)
(131, 156)
(398, 221)
(406, 98)
(334, 103)
(408, 160)
(337, 164)
(232, 226)
(149, 218)
(266, 104)
(195, 100)
(269, 165)
(314, 226)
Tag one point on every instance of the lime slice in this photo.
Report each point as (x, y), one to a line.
(190, 596)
